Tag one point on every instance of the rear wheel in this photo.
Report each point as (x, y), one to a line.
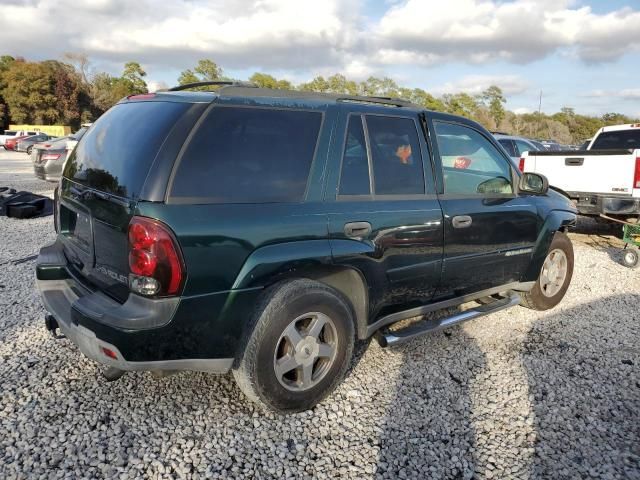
(555, 276)
(300, 347)
(630, 258)
(29, 150)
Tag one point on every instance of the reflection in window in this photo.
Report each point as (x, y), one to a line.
(471, 164)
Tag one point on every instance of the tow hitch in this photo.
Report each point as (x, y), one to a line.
(51, 324)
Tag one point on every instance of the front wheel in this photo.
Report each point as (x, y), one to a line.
(300, 346)
(555, 276)
(29, 150)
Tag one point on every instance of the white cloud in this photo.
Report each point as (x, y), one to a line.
(475, 84)
(304, 36)
(520, 31)
(625, 93)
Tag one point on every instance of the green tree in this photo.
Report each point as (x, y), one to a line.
(265, 80)
(493, 99)
(5, 63)
(134, 74)
(205, 71)
(461, 104)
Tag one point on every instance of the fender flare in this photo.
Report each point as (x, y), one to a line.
(556, 220)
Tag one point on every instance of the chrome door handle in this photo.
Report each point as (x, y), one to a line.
(461, 221)
(357, 229)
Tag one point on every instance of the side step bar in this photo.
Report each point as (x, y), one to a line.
(390, 339)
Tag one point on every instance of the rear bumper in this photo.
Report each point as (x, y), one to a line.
(95, 322)
(47, 171)
(597, 203)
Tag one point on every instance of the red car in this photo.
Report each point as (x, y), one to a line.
(11, 143)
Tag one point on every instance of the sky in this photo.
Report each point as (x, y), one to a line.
(580, 54)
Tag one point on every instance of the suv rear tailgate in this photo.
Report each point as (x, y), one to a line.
(101, 185)
(593, 171)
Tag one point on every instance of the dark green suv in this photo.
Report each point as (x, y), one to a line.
(265, 232)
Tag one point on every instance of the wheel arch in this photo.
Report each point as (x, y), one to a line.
(556, 221)
(310, 259)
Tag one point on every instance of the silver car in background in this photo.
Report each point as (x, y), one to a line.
(48, 158)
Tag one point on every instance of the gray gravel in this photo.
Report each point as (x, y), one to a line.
(519, 394)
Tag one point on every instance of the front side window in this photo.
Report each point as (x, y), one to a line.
(249, 155)
(395, 156)
(471, 164)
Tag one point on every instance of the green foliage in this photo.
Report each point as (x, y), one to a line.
(205, 71)
(265, 80)
(68, 93)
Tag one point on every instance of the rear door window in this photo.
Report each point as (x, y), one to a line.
(118, 150)
(620, 139)
(249, 155)
(395, 155)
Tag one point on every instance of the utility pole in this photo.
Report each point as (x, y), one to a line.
(540, 113)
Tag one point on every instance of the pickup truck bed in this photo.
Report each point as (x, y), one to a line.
(598, 181)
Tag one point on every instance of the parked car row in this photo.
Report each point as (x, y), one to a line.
(48, 158)
(23, 143)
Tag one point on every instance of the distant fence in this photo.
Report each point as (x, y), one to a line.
(53, 130)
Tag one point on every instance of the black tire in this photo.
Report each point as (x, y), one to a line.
(283, 303)
(29, 150)
(536, 299)
(630, 257)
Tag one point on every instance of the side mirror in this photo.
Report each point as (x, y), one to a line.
(533, 183)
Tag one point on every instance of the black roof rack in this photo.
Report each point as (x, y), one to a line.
(186, 86)
(393, 102)
(500, 133)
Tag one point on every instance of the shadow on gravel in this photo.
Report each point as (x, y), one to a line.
(574, 380)
(582, 366)
(428, 432)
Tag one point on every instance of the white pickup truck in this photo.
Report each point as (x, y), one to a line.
(603, 179)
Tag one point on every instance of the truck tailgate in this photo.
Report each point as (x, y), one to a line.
(593, 171)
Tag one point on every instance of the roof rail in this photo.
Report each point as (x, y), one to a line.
(500, 133)
(226, 83)
(392, 102)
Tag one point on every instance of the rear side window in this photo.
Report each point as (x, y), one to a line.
(117, 152)
(249, 155)
(524, 147)
(508, 146)
(621, 139)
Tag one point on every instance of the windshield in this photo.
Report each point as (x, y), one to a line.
(619, 139)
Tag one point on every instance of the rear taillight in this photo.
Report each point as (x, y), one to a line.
(142, 96)
(521, 165)
(154, 259)
(50, 156)
(636, 174)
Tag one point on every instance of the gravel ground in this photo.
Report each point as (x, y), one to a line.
(518, 394)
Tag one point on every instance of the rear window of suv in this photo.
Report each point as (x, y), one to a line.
(248, 155)
(116, 153)
(617, 139)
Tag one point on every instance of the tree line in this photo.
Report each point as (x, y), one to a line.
(70, 92)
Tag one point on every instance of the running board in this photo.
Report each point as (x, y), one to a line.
(390, 339)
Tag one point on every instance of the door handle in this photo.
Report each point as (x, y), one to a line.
(574, 162)
(461, 221)
(357, 229)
